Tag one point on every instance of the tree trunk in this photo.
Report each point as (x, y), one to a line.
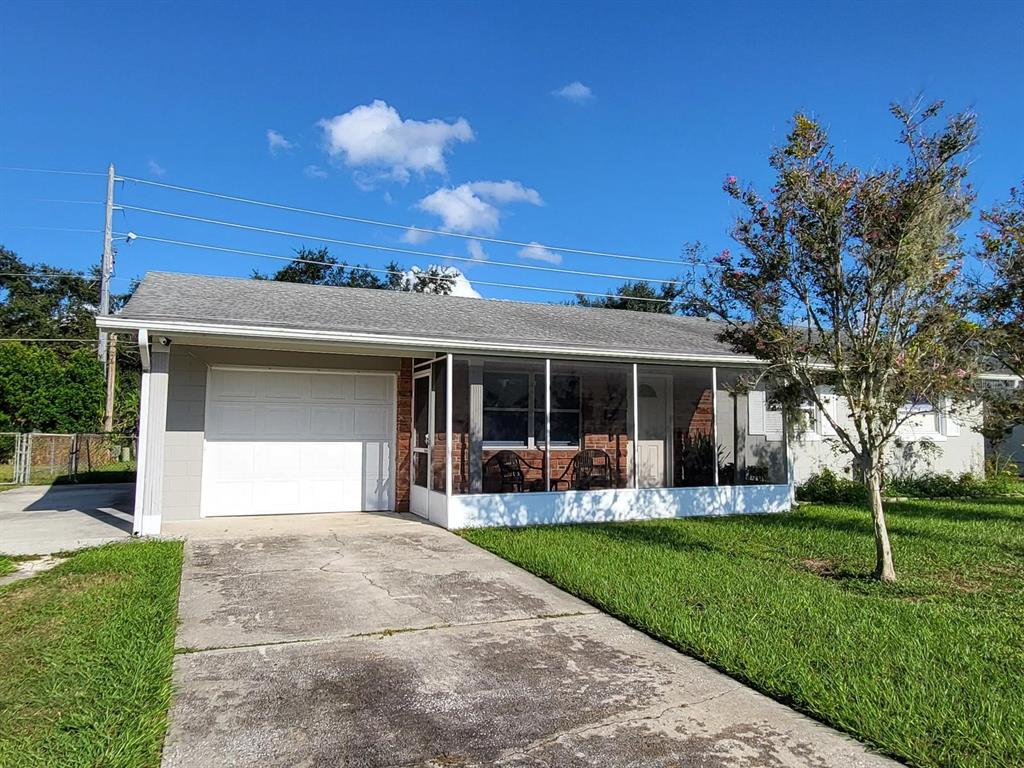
(884, 570)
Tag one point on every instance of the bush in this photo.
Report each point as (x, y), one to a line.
(828, 487)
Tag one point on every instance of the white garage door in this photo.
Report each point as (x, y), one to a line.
(297, 441)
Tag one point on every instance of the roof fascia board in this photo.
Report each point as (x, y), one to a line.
(115, 323)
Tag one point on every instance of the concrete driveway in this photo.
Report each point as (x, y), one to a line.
(39, 519)
(377, 640)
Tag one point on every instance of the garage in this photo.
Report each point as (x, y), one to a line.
(297, 441)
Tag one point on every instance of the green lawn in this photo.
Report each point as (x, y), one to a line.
(85, 654)
(930, 670)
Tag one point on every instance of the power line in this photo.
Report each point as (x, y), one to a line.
(224, 249)
(393, 225)
(68, 340)
(51, 170)
(54, 229)
(391, 249)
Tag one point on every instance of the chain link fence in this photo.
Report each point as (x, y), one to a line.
(42, 458)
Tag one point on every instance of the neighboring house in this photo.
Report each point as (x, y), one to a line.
(931, 440)
(261, 397)
(1012, 446)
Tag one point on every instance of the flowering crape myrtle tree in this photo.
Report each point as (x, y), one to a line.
(850, 279)
(1000, 302)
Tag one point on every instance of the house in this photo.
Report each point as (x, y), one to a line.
(261, 397)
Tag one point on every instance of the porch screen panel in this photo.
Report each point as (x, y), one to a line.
(675, 436)
(497, 405)
(591, 425)
(438, 372)
(751, 443)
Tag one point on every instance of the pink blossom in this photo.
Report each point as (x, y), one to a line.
(739, 273)
(723, 257)
(961, 373)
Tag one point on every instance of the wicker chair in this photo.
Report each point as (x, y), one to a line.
(507, 470)
(590, 469)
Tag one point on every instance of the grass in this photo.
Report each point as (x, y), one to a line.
(6, 565)
(119, 472)
(86, 651)
(929, 670)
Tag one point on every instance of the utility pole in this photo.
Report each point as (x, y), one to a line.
(107, 350)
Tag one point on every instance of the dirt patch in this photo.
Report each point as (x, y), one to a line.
(825, 568)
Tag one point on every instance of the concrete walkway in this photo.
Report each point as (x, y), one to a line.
(378, 640)
(40, 519)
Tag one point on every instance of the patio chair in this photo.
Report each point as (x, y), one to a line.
(510, 470)
(590, 469)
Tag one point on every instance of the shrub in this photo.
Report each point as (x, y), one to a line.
(828, 487)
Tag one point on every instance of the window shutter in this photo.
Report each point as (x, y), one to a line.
(831, 403)
(755, 412)
(773, 424)
(950, 426)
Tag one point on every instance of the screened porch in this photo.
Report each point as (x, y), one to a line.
(514, 440)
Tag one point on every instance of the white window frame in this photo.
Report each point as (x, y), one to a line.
(532, 410)
(908, 434)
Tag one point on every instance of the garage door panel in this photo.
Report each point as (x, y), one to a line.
(284, 421)
(372, 421)
(334, 459)
(283, 442)
(336, 421)
(285, 386)
(276, 496)
(332, 387)
(233, 460)
(374, 389)
(228, 498)
(231, 383)
(331, 496)
(231, 420)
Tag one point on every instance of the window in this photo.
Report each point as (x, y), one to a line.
(565, 410)
(513, 400)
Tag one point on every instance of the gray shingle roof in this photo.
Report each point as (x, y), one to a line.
(242, 302)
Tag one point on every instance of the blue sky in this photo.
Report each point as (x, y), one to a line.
(680, 95)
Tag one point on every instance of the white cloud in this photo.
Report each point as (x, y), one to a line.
(415, 236)
(460, 287)
(575, 92)
(538, 252)
(476, 250)
(276, 142)
(155, 169)
(314, 172)
(375, 136)
(473, 207)
(463, 287)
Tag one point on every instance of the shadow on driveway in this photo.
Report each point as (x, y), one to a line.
(36, 520)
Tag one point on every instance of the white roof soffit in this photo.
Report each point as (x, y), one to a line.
(408, 344)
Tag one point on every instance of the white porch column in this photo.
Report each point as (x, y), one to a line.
(152, 426)
(636, 428)
(449, 400)
(714, 422)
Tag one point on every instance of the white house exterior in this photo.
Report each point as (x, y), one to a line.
(274, 398)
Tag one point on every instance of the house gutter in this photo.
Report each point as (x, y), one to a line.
(116, 323)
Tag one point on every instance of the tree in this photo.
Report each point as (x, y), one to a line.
(1000, 304)
(1001, 299)
(850, 279)
(638, 296)
(41, 301)
(40, 391)
(316, 266)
